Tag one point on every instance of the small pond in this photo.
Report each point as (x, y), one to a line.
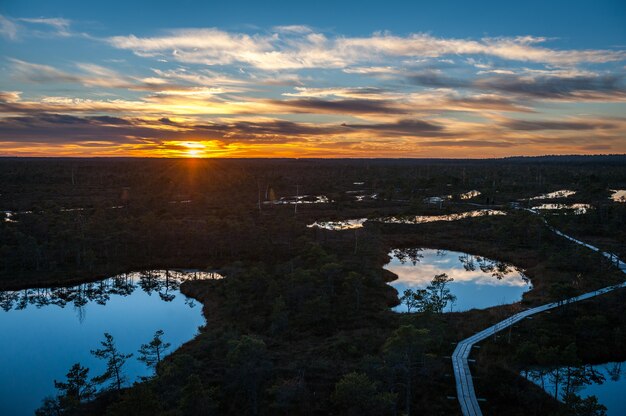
(576, 209)
(562, 193)
(605, 381)
(478, 282)
(421, 219)
(46, 330)
(619, 195)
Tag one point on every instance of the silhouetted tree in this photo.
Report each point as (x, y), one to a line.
(151, 353)
(115, 362)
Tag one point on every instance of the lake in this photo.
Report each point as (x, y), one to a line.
(478, 282)
(610, 392)
(46, 330)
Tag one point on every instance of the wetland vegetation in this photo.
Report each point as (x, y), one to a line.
(302, 323)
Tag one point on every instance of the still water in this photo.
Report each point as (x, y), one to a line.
(609, 387)
(46, 330)
(478, 282)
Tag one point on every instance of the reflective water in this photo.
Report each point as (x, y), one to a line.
(420, 219)
(437, 199)
(562, 193)
(619, 195)
(339, 225)
(605, 381)
(469, 194)
(576, 209)
(46, 330)
(478, 282)
(301, 199)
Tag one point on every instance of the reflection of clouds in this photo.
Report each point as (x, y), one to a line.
(577, 209)
(470, 194)
(421, 274)
(420, 219)
(619, 195)
(339, 225)
(562, 193)
(478, 282)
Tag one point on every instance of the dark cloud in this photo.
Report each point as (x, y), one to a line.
(62, 128)
(551, 87)
(528, 125)
(434, 79)
(467, 143)
(531, 85)
(348, 106)
(403, 128)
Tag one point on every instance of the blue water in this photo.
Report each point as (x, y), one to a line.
(52, 331)
(478, 282)
(610, 393)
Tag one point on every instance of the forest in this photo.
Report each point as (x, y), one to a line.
(301, 323)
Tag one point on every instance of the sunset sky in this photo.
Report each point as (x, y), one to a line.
(312, 79)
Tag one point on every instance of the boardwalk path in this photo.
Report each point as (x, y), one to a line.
(464, 384)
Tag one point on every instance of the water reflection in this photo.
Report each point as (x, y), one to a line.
(478, 282)
(562, 193)
(339, 225)
(437, 199)
(46, 330)
(164, 283)
(301, 199)
(420, 219)
(619, 195)
(576, 209)
(605, 381)
(363, 195)
(470, 194)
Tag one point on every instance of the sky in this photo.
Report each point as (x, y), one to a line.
(312, 79)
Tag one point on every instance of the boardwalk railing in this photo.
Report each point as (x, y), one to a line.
(464, 384)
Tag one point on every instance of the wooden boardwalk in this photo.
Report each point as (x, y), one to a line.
(464, 384)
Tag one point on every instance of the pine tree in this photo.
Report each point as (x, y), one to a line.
(150, 354)
(115, 362)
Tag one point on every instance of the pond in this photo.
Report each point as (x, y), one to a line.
(562, 193)
(605, 381)
(478, 282)
(406, 219)
(46, 330)
(421, 219)
(618, 195)
(339, 225)
(576, 209)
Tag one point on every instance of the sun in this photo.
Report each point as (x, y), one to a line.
(194, 149)
(193, 153)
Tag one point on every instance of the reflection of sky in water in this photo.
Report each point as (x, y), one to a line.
(562, 193)
(611, 393)
(619, 195)
(575, 208)
(473, 288)
(41, 343)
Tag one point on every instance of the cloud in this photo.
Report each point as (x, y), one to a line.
(8, 28)
(535, 125)
(416, 128)
(345, 106)
(547, 85)
(600, 87)
(302, 48)
(60, 25)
